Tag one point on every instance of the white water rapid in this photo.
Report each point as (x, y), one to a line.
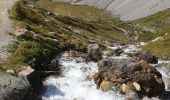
(76, 82)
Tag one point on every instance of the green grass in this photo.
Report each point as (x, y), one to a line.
(84, 12)
(161, 23)
(160, 48)
(72, 31)
(75, 27)
(29, 53)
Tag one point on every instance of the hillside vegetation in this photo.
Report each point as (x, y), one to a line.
(56, 26)
(52, 30)
(160, 24)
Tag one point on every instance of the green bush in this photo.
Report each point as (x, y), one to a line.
(30, 53)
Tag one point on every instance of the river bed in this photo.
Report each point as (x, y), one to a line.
(76, 81)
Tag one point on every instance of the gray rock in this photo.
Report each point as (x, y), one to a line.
(113, 62)
(118, 52)
(94, 52)
(12, 88)
(140, 77)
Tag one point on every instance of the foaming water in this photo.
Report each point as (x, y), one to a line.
(76, 83)
(164, 69)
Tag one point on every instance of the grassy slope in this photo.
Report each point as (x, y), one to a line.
(160, 48)
(161, 23)
(75, 31)
(106, 21)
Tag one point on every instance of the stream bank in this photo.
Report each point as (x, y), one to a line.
(77, 80)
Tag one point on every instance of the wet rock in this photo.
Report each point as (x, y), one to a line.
(125, 88)
(118, 52)
(118, 63)
(94, 52)
(148, 58)
(137, 86)
(131, 67)
(143, 64)
(108, 53)
(150, 86)
(74, 53)
(106, 85)
(13, 88)
(130, 76)
(54, 65)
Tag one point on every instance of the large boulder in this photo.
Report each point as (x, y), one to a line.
(94, 52)
(118, 51)
(13, 88)
(127, 76)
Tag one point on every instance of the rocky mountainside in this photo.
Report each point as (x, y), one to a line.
(126, 9)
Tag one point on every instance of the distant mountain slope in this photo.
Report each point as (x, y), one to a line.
(159, 22)
(160, 38)
(127, 9)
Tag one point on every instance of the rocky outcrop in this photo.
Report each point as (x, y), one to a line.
(25, 83)
(94, 52)
(13, 88)
(118, 52)
(126, 75)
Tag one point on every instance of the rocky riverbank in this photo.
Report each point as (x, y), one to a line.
(100, 59)
(119, 77)
(13, 88)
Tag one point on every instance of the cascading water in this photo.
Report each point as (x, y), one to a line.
(164, 69)
(76, 81)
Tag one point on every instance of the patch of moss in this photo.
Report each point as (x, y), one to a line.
(30, 53)
(22, 12)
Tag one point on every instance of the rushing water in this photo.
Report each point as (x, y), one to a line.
(76, 81)
(164, 69)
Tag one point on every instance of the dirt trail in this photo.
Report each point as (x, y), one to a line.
(5, 26)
